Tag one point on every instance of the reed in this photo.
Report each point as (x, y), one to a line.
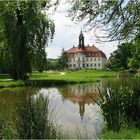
(33, 118)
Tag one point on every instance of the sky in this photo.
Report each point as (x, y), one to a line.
(67, 34)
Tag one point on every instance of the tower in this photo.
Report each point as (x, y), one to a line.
(81, 40)
(81, 110)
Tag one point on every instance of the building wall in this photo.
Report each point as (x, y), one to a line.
(86, 62)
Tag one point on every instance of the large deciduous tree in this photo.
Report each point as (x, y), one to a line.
(25, 30)
(120, 58)
(121, 18)
(63, 60)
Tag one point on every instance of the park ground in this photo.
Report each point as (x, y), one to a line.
(56, 77)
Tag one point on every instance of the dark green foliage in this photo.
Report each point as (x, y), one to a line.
(52, 65)
(119, 103)
(125, 57)
(33, 118)
(25, 31)
(63, 61)
(134, 62)
(119, 58)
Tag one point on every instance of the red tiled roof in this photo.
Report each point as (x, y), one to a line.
(87, 50)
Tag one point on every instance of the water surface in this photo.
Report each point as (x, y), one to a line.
(74, 109)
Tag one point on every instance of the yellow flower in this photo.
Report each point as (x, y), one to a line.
(104, 103)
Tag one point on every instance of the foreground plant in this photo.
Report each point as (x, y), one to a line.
(33, 118)
(119, 105)
(6, 130)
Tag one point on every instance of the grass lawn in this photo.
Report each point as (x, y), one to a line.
(123, 134)
(81, 76)
(11, 83)
(77, 76)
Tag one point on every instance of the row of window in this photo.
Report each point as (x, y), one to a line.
(87, 65)
(88, 59)
(72, 55)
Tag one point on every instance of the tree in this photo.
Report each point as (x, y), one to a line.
(63, 60)
(119, 17)
(134, 62)
(119, 59)
(52, 64)
(25, 30)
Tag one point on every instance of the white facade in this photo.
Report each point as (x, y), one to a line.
(85, 57)
(82, 61)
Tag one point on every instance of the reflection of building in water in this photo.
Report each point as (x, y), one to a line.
(81, 110)
(81, 94)
(82, 89)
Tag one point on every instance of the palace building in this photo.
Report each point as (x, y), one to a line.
(85, 57)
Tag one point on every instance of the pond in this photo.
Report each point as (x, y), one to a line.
(72, 106)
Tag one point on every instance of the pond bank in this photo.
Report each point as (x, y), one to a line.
(10, 84)
(57, 78)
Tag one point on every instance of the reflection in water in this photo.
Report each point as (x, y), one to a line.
(74, 109)
(81, 93)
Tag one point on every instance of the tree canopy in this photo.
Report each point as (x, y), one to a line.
(24, 30)
(63, 60)
(127, 56)
(121, 18)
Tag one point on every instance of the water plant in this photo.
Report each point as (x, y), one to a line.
(119, 104)
(33, 118)
(6, 131)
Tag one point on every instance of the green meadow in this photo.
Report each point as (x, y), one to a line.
(82, 76)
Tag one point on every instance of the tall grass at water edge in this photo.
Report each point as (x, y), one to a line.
(120, 104)
(6, 130)
(34, 120)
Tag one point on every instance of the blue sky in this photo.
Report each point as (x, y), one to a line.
(67, 33)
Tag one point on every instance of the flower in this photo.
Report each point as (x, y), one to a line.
(104, 103)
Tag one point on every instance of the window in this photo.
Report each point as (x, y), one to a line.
(99, 59)
(98, 64)
(70, 65)
(95, 65)
(91, 65)
(87, 65)
(83, 65)
(74, 65)
(78, 58)
(95, 58)
(91, 59)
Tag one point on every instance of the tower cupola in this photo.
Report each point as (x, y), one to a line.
(81, 40)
